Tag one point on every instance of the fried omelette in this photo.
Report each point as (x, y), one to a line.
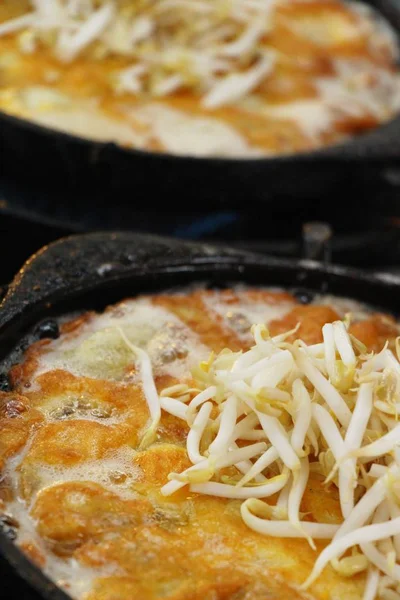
(204, 78)
(84, 496)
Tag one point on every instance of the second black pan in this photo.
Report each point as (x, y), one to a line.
(107, 173)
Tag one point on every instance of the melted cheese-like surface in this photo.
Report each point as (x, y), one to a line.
(87, 498)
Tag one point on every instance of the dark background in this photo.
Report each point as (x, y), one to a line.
(366, 230)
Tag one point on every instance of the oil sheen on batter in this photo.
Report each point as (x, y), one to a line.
(205, 78)
(83, 499)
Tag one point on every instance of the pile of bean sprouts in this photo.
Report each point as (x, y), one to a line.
(281, 410)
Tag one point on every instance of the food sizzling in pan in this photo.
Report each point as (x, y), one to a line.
(231, 78)
(136, 464)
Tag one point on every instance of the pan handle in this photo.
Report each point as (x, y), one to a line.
(80, 262)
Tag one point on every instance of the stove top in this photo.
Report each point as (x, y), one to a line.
(368, 238)
(372, 245)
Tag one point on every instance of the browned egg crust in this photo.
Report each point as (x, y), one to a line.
(184, 547)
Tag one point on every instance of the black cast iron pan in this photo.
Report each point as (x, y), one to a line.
(97, 172)
(89, 271)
